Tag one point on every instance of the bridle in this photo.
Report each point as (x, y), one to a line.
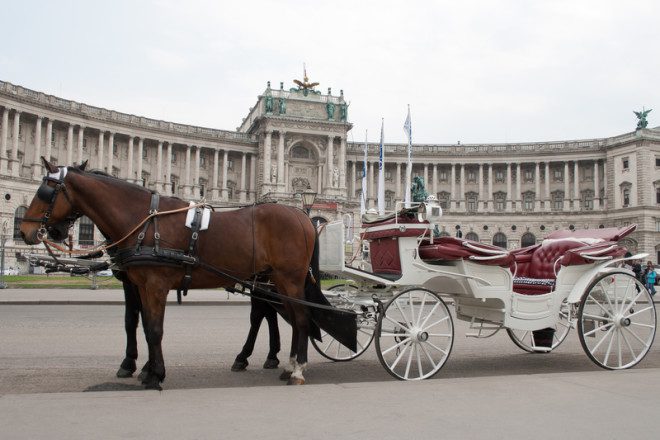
(48, 194)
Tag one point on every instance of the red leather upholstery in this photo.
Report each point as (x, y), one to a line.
(600, 250)
(384, 253)
(450, 248)
(605, 234)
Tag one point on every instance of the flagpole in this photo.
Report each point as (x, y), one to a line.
(381, 171)
(407, 127)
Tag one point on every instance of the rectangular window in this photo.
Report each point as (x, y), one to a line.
(657, 196)
(588, 204)
(443, 176)
(202, 161)
(657, 225)
(626, 197)
(472, 176)
(499, 176)
(230, 164)
(558, 175)
(84, 144)
(173, 157)
(388, 175)
(624, 163)
(144, 152)
(657, 162)
(529, 175)
(529, 205)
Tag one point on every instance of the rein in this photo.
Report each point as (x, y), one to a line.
(104, 247)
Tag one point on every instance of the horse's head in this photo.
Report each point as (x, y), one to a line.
(51, 212)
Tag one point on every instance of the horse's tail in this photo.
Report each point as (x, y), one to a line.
(340, 325)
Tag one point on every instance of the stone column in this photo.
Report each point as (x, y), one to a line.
(480, 203)
(196, 189)
(81, 140)
(14, 147)
(537, 187)
(596, 186)
(138, 177)
(3, 141)
(215, 190)
(397, 186)
(370, 185)
(567, 195)
(426, 177)
(100, 152)
(490, 204)
(243, 194)
(225, 167)
(186, 181)
(605, 194)
(576, 186)
(508, 187)
(168, 173)
(111, 152)
(49, 138)
(435, 180)
(452, 187)
(342, 163)
(253, 177)
(329, 161)
(519, 178)
(69, 146)
(280, 162)
(548, 202)
(267, 149)
(159, 166)
(319, 178)
(351, 192)
(461, 196)
(36, 164)
(129, 173)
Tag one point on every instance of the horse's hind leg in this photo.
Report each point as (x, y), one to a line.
(300, 361)
(131, 319)
(288, 369)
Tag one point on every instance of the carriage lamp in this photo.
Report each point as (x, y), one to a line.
(308, 196)
(430, 211)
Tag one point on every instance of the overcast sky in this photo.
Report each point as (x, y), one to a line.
(474, 71)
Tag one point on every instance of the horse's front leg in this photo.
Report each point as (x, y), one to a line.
(288, 369)
(131, 320)
(153, 315)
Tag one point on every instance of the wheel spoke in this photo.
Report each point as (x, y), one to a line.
(596, 317)
(428, 316)
(405, 318)
(421, 308)
(634, 335)
(597, 329)
(601, 306)
(609, 348)
(410, 356)
(604, 287)
(397, 345)
(429, 356)
(625, 297)
(397, 323)
(602, 339)
(412, 308)
(640, 311)
(398, 358)
(441, 335)
(439, 321)
(420, 369)
(625, 339)
(437, 348)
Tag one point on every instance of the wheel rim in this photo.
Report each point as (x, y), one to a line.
(525, 338)
(329, 347)
(617, 321)
(415, 335)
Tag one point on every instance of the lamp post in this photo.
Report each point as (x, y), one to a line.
(308, 196)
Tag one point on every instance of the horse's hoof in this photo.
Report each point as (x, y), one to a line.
(296, 381)
(124, 373)
(239, 365)
(286, 375)
(143, 375)
(153, 385)
(271, 364)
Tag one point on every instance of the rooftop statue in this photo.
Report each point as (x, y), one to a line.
(305, 85)
(641, 116)
(419, 193)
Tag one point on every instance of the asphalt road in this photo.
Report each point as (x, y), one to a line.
(62, 359)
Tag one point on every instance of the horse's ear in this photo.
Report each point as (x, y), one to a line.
(49, 166)
(82, 166)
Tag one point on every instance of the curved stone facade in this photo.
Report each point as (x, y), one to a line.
(295, 139)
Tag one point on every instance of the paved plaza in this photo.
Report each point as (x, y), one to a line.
(58, 363)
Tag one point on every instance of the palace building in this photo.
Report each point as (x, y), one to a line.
(293, 139)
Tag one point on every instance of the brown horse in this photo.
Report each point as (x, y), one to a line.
(264, 240)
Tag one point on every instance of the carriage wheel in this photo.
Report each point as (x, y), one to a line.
(330, 348)
(415, 334)
(525, 338)
(616, 321)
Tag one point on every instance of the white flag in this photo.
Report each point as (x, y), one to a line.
(407, 127)
(363, 197)
(381, 171)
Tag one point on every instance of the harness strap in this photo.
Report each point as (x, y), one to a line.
(195, 226)
(153, 210)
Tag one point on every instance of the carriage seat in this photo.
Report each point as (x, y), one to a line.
(450, 248)
(535, 266)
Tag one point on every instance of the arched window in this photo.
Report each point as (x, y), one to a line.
(499, 239)
(18, 218)
(85, 231)
(389, 200)
(528, 239)
(472, 236)
(300, 152)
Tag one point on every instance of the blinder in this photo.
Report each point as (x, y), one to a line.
(47, 193)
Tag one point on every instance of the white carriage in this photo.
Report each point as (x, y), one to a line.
(573, 279)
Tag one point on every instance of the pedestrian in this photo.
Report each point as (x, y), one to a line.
(649, 277)
(637, 269)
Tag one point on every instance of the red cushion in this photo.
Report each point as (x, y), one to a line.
(450, 248)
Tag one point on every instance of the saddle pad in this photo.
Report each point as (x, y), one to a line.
(206, 217)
